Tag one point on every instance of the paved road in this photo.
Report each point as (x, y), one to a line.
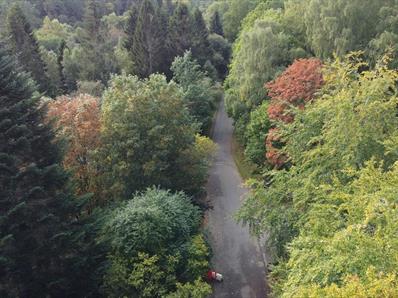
(236, 254)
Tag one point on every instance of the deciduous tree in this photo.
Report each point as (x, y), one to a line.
(77, 121)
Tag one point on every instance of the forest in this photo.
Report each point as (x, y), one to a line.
(106, 116)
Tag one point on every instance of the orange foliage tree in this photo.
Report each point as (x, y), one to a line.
(292, 89)
(77, 121)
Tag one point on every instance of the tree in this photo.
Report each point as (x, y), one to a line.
(197, 89)
(180, 30)
(92, 20)
(62, 85)
(152, 239)
(130, 29)
(24, 46)
(232, 18)
(38, 212)
(261, 51)
(221, 50)
(216, 25)
(77, 121)
(52, 34)
(329, 217)
(329, 31)
(198, 289)
(201, 50)
(256, 134)
(148, 138)
(295, 87)
(148, 44)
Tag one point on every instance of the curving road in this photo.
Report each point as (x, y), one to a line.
(236, 255)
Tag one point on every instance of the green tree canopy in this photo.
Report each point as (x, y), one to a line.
(148, 138)
(153, 246)
(333, 210)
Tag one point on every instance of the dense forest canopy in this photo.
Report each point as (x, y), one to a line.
(106, 109)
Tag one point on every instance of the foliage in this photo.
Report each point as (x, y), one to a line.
(263, 49)
(148, 138)
(52, 33)
(198, 289)
(148, 45)
(373, 285)
(332, 214)
(221, 54)
(330, 31)
(24, 46)
(295, 87)
(180, 30)
(198, 91)
(216, 25)
(234, 14)
(77, 121)
(152, 245)
(200, 48)
(38, 212)
(256, 134)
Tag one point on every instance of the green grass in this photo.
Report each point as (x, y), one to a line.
(246, 169)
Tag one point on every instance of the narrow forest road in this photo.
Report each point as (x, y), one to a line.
(236, 254)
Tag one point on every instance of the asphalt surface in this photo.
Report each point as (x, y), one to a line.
(236, 255)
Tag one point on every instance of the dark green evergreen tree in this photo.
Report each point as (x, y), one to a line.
(62, 85)
(41, 239)
(180, 30)
(216, 25)
(25, 48)
(97, 56)
(201, 50)
(148, 45)
(92, 20)
(130, 28)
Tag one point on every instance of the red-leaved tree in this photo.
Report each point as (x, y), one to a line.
(77, 121)
(292, 89)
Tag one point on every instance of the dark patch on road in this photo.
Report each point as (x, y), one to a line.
(236, 254)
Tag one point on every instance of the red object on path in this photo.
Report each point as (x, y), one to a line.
(214, 276)
(211, 275)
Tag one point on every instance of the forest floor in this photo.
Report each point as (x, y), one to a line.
(236, 255)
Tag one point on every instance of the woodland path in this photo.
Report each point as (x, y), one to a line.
(236, 255)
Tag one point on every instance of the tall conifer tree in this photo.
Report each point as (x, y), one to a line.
(149, 41)
(25, 48)
(201, 50)
(62, 85)
(39, 253)
(180, 30)
(216, 25)
(130, 28)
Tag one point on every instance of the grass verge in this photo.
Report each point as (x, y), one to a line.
(246, 169)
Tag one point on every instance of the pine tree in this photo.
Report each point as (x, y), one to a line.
(38, 227)
(92, 20)
(200, 39)
(62, 87)
(149, 41)
(130, 28)
(180, 30)
(97, 64)
(25, 48)
(216, 25)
